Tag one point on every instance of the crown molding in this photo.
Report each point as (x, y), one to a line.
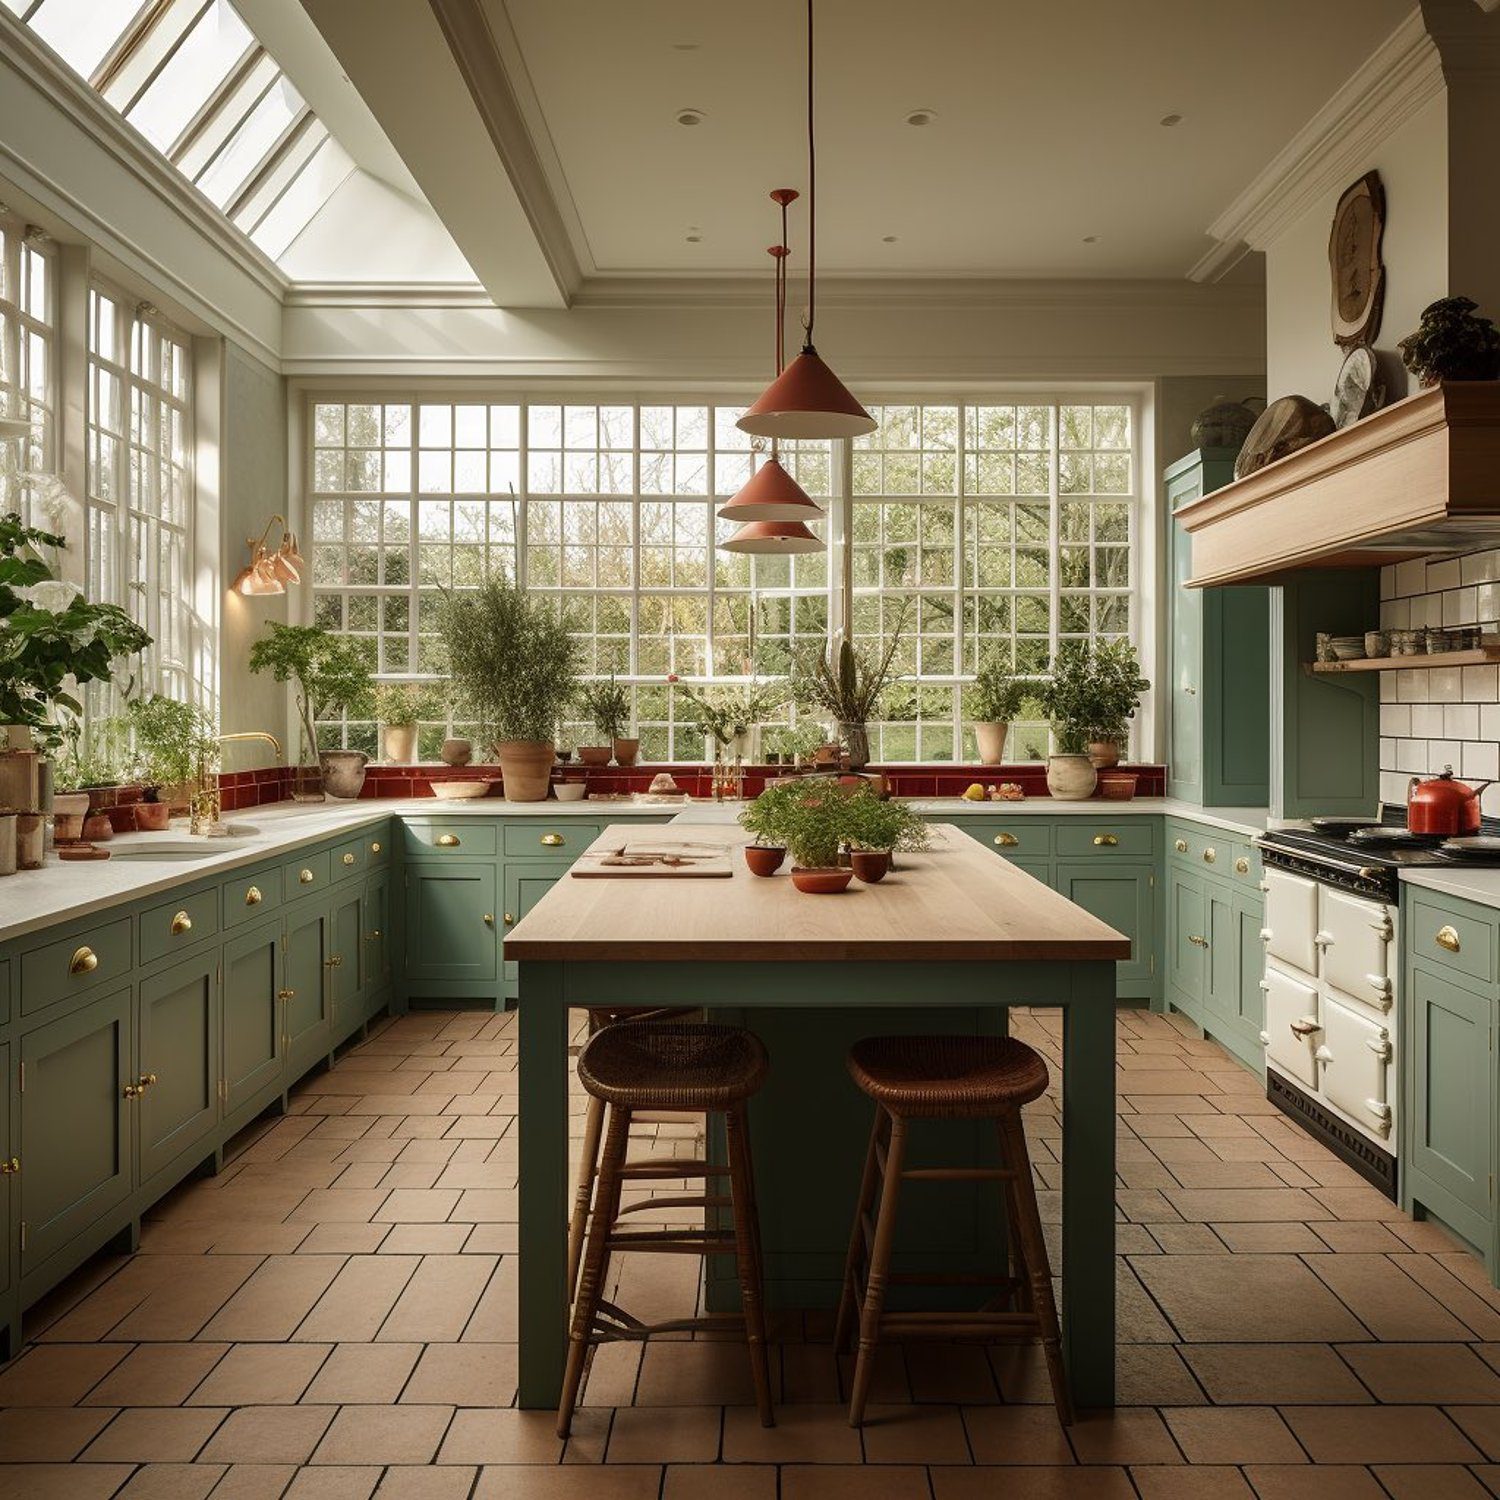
(1401, 76)
(387, 294)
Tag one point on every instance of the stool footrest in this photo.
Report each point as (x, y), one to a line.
(667, 1167)
(697, 1200)
(673, 1242)
(637, 1332)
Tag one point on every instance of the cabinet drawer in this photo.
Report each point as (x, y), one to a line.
(1453, 937)
(312, 872)
(548, 840)
(1010, 836)
(73, 965)
(348, 858)
(1208, 848)
(1085, 836)
(475, 836)
(176, 925)
(247, 897)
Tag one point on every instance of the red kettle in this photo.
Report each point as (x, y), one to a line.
(1442, 805)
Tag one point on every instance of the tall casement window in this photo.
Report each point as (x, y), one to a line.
(139, 503)
(27, 363)
(976, 530)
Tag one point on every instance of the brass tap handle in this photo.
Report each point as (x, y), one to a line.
(1447, 937)
(253, 896)
(306, 876)
(1006, 841)
(1180, 845)
(181, 923)
(446, 841)
(1105, 840)
(1242, 866)
(1209, 856)
(553, 840)
(84, 961)
(348, 859)
(374, 846)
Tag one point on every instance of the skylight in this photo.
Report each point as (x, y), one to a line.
(198, 85)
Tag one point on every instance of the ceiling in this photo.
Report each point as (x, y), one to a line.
(1046, 132)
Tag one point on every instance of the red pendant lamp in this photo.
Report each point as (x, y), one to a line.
(807, 400)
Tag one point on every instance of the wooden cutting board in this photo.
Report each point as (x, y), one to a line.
(648, 861)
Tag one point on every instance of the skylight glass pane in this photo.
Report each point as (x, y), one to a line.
(294, 211)
(198, 67)
(228, 173)
(81, 32)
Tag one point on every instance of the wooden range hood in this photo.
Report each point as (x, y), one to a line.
(1421, 476)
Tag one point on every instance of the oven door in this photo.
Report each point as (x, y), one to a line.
(1292, 920)
(1357, 1062)
(1355, 935)
(1293, 1032)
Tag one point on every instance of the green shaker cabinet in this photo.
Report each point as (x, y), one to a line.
(1187, 943)
(253, 1048)
(9, 1163)
(1220, 664)
(346, 980)
(526, 882)
(177, 1061)
(305, 1015)
(450, 921)
(1124, 895)
(375, 940)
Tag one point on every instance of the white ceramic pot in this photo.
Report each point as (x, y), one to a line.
(1071, 778)
(400, 743)
(343, 772)
(991, 741)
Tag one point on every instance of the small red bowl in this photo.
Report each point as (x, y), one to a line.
(764, 859)
(821, 882)
(870, 865)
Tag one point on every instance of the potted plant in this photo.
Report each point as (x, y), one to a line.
(1089, 697)
(1117, 686)
(763, 818)
(993, 701)
(1451, 343)
(875, 828)
(515, 668)
(731, 716)
(848, 686)
(607, 706)
(330, 678)
(399, 706)
(810, 818)
(172, 739)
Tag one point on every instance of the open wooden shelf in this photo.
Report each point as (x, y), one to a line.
(1477, 657)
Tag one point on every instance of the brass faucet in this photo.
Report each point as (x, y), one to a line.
(252, 734)
(204, 806)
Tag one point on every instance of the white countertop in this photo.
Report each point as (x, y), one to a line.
(1480, 885)
(1248, 821)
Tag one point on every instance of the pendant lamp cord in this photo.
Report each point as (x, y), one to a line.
(812, 191)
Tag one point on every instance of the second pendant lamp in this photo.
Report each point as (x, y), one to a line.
(807, 400)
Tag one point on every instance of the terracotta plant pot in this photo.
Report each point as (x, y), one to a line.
(457, 751)
(1104, 754)
(1071, 778)
(152, 817)
(343, 772)
(626, 751)
(1117, 786)
(870, 865)
(122, 816)
(821, 882)
(990, 738)
(97, 828)
(400, 744)
(526, 767)
(594, 755)
(764, 859)
(68, 812)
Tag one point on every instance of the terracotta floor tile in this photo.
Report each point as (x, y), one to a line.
(464, 1375)
(1016, 1435)
(363, 1374)
(1368, 1435)
(1423, 1374)
(702, 1373)
(430, 1482)
(49, 1434)
(803, 1434)
(437, 1301)
(856, 1482)
(409, 1205)
(664, 1434)
(1482, 1424)
(57, 1374)
(1273, 1374)
(340, 1205)
(345, 1239)
(255, 1481)
(509, 1436)
(949, 1374)
(1387, 1301)
(1269, 1239)
(261, 1375)
(346, 1482)
(1269, 1298)
(168, 1481)
(62, 1481)
(156, 1434)
(1028, 1483)
(1431, 1482)
(1246, 1205)
(535, 1482)
(384, 1435)
(425, 1239)
(1232, 1435)
(727, 1481)
(271, 1304)
(1199, 1482)
(358, 1300)
(1127, 1435)
(909, 1433)
(269, 1434)
(1323, 1482)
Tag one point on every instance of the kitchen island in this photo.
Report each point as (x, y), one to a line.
(946, 943)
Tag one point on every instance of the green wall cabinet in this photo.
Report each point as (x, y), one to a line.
(254, 1054)
(450, 922)
(177, 1061)
(305, 1012)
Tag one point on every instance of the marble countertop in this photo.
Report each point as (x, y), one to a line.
(1479, 885)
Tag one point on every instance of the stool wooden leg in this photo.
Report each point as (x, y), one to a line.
(588, 1167)
(1033, 1246)
(880, 1264)
(595, 1263)
(868, 1184)
(747, 1256)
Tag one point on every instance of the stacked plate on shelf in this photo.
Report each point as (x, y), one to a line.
(1348, 647)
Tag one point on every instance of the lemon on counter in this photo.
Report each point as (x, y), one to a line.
(974, 793)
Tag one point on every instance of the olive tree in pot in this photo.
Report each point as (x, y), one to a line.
(515, 669)
(1090, 695)
(993, 701)
(330, 677)
(172, 739)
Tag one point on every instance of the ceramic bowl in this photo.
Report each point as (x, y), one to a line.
(764, 859)
(459, 791)
(821, 882)
(570, 791)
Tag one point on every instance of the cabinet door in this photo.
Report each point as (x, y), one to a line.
(76, 1123)
(1123, 896)
(375, 932)
(1250, 1016)
(526, 882)
(305, 1015)
(1453, 1088)
(177, 1053)
(450, 921)
(1222, 956)
(253, 1049)
(1187, 942)
(1186, 738)
(346, 962)
(8, 1183)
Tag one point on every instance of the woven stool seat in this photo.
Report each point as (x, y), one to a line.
(672, 1065)
(947, 1077)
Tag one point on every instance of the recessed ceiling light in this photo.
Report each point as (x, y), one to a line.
(684, 46)
(921, 117)
(887, 239)
(690, 116)
(1091, 239)
(694, 238)
(1170, 120)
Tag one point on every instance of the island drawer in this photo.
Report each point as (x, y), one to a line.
(247, 897)
(474, 836)
(178, 924)
(312, 872)
(349, 858)
(74, 965)
(1010, 836)
(541, 838)
(1452, 935)
(1079, 837)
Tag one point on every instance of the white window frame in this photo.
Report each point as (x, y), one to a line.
(36, 455)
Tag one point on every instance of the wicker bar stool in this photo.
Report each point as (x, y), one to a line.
(661, 1065)
(947, 1078)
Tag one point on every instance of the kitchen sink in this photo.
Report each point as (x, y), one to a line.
(166, 852)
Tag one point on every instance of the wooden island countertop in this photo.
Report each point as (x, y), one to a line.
(956, 901)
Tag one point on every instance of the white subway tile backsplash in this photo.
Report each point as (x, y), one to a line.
(1458, 606)
(1481, 760)
(1443, 575)
(1475, 567)
(1411, 578)
(1395, 719)
(1427, 721)
(1411, 685)
(1411, 757)
(1489, 722)
(1426, 609)
(1487, 605)
(1481, 684)
(1445, 685)
(1461, 721)
(1444, 753)
(1392, 787)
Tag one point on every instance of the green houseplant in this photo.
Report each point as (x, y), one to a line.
(993, 701)
(729, 716)
(1452, 343)
(848, 685)
(515, 669)
(400, 706)
(1090, 696)
(876, 828)
(606, 705)
(329, 677)
(172, 740)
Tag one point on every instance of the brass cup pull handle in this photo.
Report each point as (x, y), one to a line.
(1447, 937)
(181, 923)
(510, 920)
(553, 840)
(374, 846)
(11, 1167)
(1180, 846)
(306, 876)
(83, 961)
(1209, 856)
(253, 896)
(286, 994)
(1196, 941)
(1242, 866)
(1303, 1028)
(447, 841)
(348, 859)
(1105, 840)
(145, 1081)
(1006, 841)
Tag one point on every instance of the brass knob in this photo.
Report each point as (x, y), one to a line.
(145, 1081)
(1209, 856)
(84, 961)
(131, 1091)
(373, 937)
(1006, 841)
(1242, 866)
(510, 920)
(306, 876)
(1199, 942)
(181, 923)
(553, 840)
(1180, 846)
(348, 859)
(1105, 840)
(336, 962)
(11, 1167)
(447, 841)
(489, 919)
(285, 994)
(1447, 937)
(374, 846)
(253, 896)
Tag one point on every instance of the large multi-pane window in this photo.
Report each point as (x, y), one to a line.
(977, 530)
(27, 342)
(139, 503)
